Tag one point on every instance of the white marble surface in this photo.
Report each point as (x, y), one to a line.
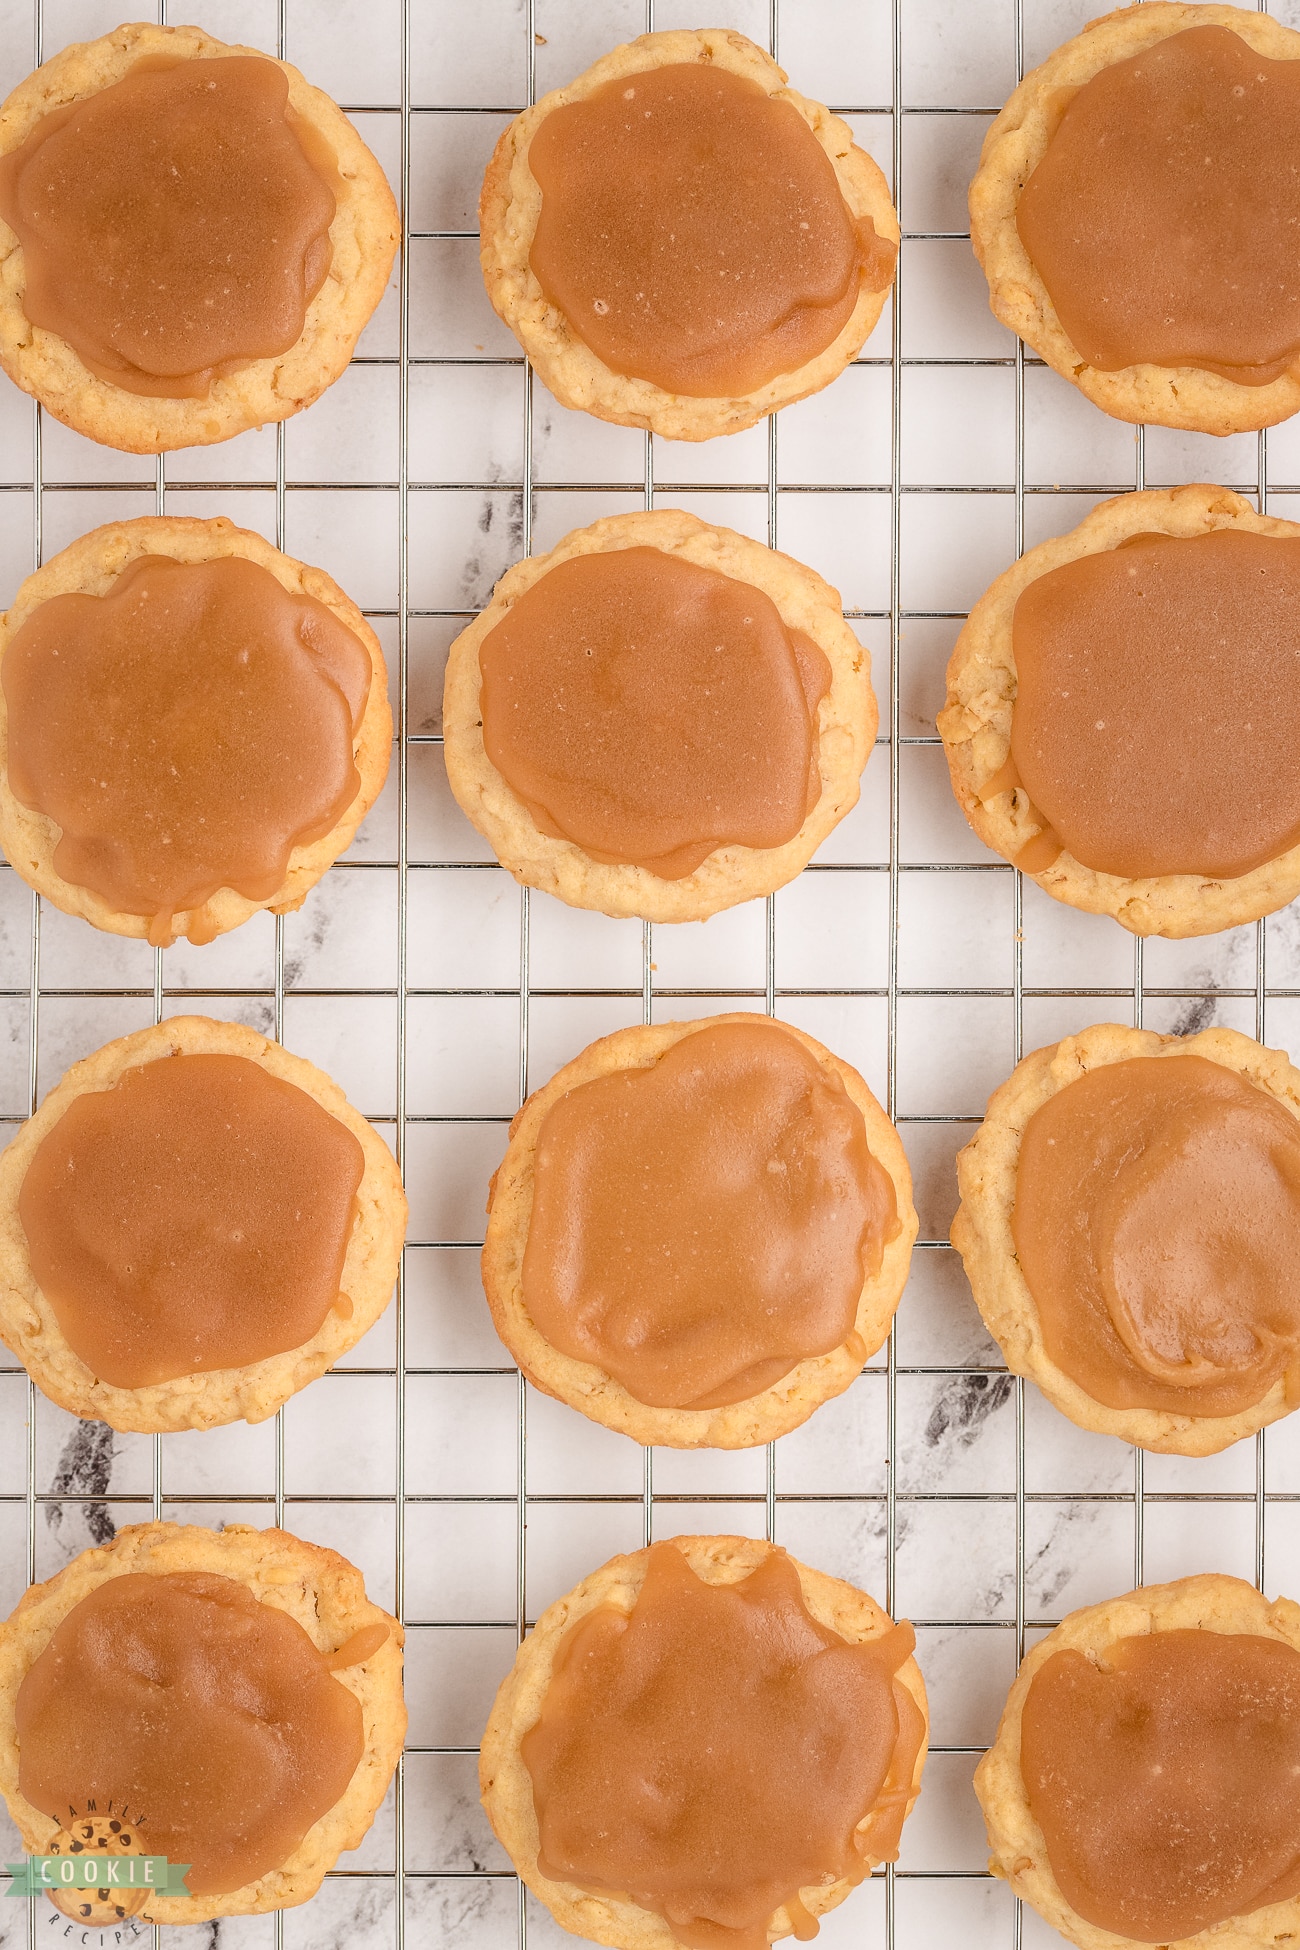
(959, 1565)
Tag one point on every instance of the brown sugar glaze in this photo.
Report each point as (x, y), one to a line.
(701, 1226)
(693, 233)
(174, 225)
(1165, 1776)
(716, 1750)
(651, 711)
(1156, 725)
(210, 1716)
(194, 1216)
(1157, 1224)
(1162, 217)
(185, 731)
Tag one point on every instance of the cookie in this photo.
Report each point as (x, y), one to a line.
(780, 1404)
(982, 1231)
(1210, 1604)
(511, 211)
(106, 1836)
(318, 1590)
(976, 727)
(355, 259)
(846, 719)
(95, 566)
(508, 1786)
(206, 1399)
(1197, 397)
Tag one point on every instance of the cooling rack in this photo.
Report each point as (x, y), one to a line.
(439, 993)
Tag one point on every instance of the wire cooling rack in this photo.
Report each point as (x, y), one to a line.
(438, 993)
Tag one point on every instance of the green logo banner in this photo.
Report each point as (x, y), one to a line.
(41, 1873)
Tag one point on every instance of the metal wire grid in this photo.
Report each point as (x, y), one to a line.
(885, 1922)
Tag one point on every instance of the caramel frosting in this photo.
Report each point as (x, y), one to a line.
(1157, 709)
(1163, 213)
(210, 1715)
(186, 730)
(692, 231)
(1157, 1224)
(651, 711)
(701, 1226)
(195, 1216)
(716, 1750)
(174, 225)
(1165, 1777)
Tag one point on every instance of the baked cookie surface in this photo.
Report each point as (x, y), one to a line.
(508, 217)
(318, 1589)
(363, 240)
(588, 1388)
(976, 721)
(506, 1783)
(1018, 1852)
(91, 566)
(846, 726)
(982, 1229)
(28, 1322)
(1188, 397)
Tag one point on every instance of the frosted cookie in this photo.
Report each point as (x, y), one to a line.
(699, 1232)
(1099, 737)
(1132, 205)
(235, 1692)
(268, 1246)
(704, 1742)
(191, 238)
(1144, 1787)
(1130, 1226)
(681, 242)
(192, 727)
(658, 718)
